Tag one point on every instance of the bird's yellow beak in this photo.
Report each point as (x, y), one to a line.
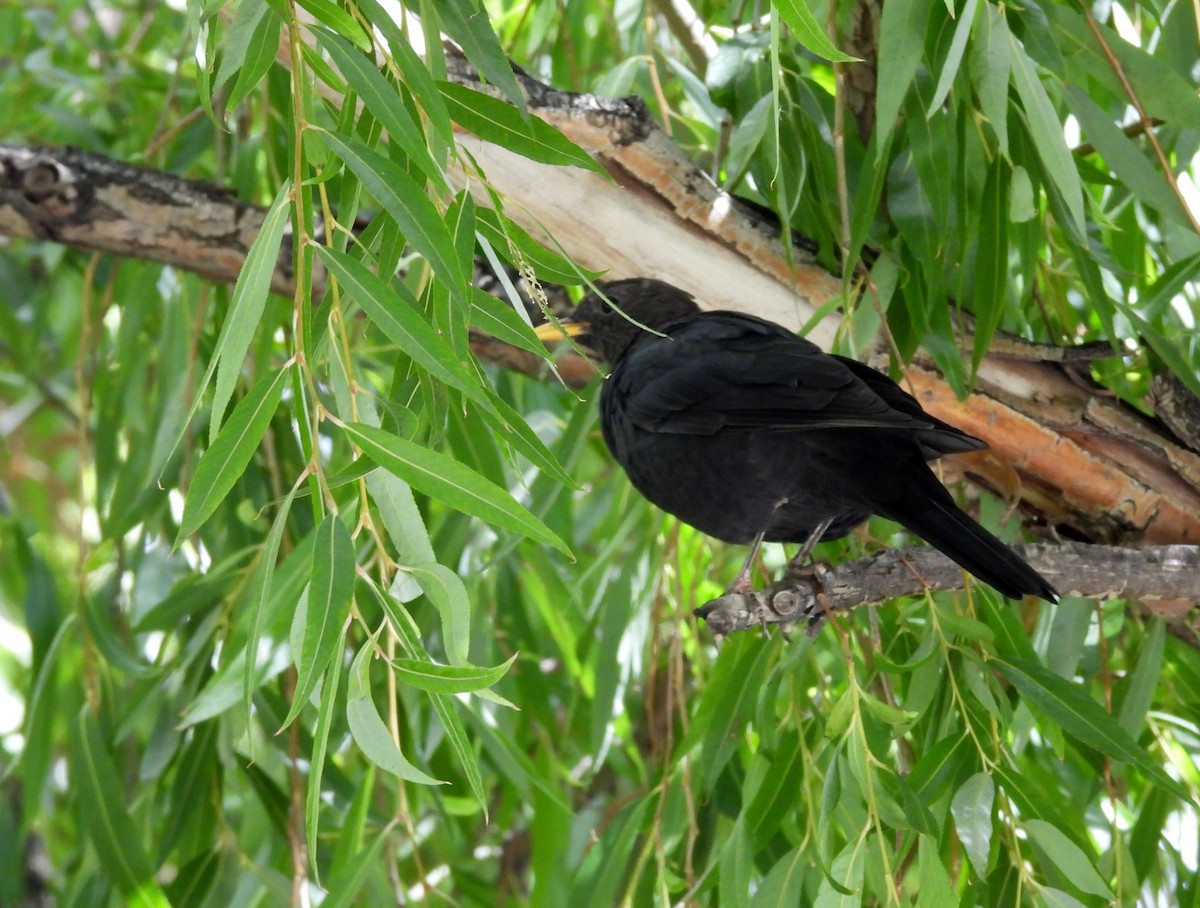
(550, 331)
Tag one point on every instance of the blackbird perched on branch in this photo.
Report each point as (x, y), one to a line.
(748, 432)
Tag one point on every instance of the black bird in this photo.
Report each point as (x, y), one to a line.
(748, 432)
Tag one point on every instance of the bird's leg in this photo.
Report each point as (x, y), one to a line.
(742, 583)
(796, 565)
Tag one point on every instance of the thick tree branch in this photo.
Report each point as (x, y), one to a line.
(92, 202)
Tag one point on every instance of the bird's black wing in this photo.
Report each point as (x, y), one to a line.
(940, 438)
(728, 371)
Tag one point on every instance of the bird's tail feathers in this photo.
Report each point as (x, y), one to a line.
(944, 525)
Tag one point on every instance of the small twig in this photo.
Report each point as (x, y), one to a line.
(1131, 130)
(681, 31)
(1145, 118)
(652, 67)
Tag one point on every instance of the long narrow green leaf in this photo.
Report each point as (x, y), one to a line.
(766, 811)
(384, 103)
(449, 679)
(901, 49)
(939, 766)
(1046, 130)
(988, 290)
(330, 589)
(416, 75)
(1009, 637)
(503, 234)
(396, 314)
(843, 887)
(1141, 683)
(368, 729)
(1161, 89)
(783, 881)
(247, 306)
(735, 867)
(808, 30)
(444, 478)
(494, 121)
(448, 593)
(242, 58)
(345, 887)
(223, 690)
(260, 592)
(510, 426)
(401, 517)
(1083, 718)
(1147, 183)
(972, 810)
(1051, 897)
(320, 747)
(597, 884)
(1155, 300)
(962, 31)
(991, 66)
(467, 23)
(501, 321)
(1068, 857)
(407, 632)
(223, 464)
(337, 19)
(347, 852)
(409, 206)
(104, 816)
(935, 890)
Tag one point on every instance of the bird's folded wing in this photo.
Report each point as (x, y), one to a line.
(704, 384)
(940, 438)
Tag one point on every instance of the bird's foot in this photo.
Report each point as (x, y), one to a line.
(816, 619)
(742, 584)
(800, 572)
(738, 609)
(796, 565)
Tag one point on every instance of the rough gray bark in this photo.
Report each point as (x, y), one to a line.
(1166, 579)
(92, 202)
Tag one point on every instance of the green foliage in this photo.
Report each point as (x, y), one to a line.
(309, 596)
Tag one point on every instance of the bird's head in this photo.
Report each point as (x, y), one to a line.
(610, 329)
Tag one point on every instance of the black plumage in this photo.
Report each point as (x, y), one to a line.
(747, 432)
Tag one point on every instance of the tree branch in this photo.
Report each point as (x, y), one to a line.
(92, 202)
(1164, 578)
